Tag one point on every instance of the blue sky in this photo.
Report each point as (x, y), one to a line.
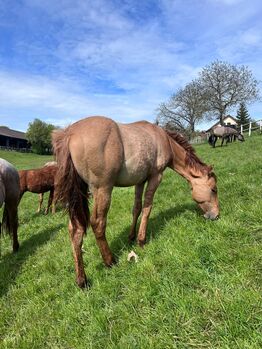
(63, 60)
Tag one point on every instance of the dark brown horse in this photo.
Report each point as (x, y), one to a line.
(9, 197)
(40, 180)
(97, 154)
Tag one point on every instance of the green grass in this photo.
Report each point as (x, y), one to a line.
(197, 283)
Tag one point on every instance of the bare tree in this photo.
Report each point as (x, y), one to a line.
(226, 86)
(184, 109)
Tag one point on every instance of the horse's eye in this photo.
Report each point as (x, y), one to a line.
(214, 190)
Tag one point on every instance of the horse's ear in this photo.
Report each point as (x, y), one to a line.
(210, 171)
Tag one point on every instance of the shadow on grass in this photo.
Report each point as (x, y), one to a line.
(11, 263)
(155, 225)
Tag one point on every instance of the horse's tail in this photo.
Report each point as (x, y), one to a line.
(70, 188)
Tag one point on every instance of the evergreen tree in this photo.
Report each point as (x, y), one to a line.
(242, 115)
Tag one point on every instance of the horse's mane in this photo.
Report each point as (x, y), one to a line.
(192, 160)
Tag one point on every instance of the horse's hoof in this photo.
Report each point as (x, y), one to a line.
(131, 238)
(141, 243)
(110, 262)
(83, 282)
(16, 247)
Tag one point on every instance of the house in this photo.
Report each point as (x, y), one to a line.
(11, 139)
(228, 120)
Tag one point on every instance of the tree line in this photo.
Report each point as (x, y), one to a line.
(219, 87)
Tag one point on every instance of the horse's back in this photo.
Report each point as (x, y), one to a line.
(223, 131)
(38, 180)
(108, 153)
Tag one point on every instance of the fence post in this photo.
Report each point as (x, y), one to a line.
(241, 128)
(249, 131)
(260, 126)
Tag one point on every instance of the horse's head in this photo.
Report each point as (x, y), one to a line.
(204, 192)
(240, 137)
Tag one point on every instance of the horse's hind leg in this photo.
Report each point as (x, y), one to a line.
(41, 197)
(50, 200)
(14, 229)
(139, 188)
(76, 232)
(102, 200)
(11, 221)
(152, 186)
(54, 202)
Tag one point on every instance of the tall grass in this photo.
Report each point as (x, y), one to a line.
(197, 283)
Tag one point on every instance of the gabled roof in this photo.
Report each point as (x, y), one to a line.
(6, 131)
(218, 122)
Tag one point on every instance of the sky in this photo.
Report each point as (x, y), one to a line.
(64, 60)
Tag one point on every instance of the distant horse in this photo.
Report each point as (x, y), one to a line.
(224, 132)
(40, 180)
(9, 196)
(41, 195)
(97, 154)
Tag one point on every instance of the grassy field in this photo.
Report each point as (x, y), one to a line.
(197, 283)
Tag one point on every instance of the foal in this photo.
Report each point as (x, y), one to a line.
(97, 154)
(40, 180)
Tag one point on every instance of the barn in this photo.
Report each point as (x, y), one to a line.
(11, 139)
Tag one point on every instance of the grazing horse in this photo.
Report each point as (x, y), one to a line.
(40, 180)
(41, 195)
(97, 154)
(9, 196)
(224, 132)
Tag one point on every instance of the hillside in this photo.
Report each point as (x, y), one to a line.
(197, 283)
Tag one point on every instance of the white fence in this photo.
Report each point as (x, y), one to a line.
(251, 127)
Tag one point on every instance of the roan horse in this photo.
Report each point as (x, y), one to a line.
(97, 154)
(224, 132)
(40, 180)
(9, 196)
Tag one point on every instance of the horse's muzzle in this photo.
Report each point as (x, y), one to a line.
(211, 215)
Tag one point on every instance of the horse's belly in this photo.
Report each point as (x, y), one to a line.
(131, 174)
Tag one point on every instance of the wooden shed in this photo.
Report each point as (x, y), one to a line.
(11, 139)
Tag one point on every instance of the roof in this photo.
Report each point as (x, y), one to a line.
(6, 131)
(218, 122)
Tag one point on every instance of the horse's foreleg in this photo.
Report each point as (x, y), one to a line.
(139, 188)
(50, 200)
(152, 186)
(102, 200)
(41, 197)
(214, 141)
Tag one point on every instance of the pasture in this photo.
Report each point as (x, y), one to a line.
(197, 283)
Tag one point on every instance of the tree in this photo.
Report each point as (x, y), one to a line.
(184, 109)
(39, 135)
(226, 86)
(242, 115)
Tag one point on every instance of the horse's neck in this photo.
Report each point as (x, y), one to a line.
(178, 162)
